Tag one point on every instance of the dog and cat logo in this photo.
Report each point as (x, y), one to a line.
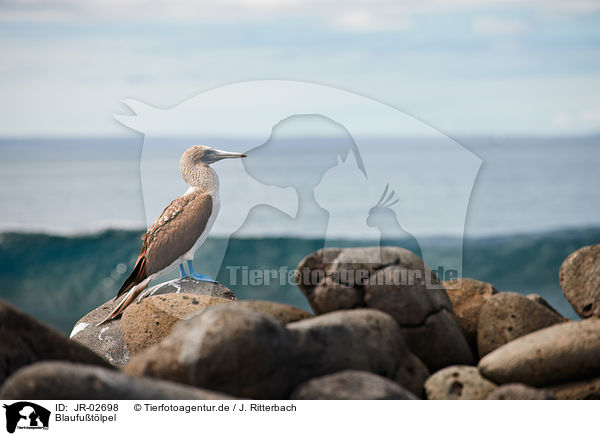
(26, 415)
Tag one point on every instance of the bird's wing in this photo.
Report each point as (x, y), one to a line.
(176, 230)
(172, 235)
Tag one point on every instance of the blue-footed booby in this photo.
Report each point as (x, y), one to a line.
(181, 228)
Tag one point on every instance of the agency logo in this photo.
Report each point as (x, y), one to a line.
(26, 415)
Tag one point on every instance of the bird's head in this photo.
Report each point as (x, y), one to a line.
(198, 157)
(204, 155)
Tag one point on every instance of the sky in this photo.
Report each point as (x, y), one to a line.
(463, 67)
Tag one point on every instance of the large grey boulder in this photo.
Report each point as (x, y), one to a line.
(58, 380)
(362, 339)
(351, 385)
(107, 340)
(25, 340)
(507, 315)
(393, 280)
(580, 280)
(226, 348)
(561, 353)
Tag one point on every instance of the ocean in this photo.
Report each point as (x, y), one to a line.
(73, 211)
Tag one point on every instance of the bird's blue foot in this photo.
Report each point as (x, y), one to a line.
(182, 271)
(203, 278)
(198, 276)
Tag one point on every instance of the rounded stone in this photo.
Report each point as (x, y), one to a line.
(412, 374)
(330, 296)
(580, 280)
(361, 339)
(351, 385)
(561, 353)
(424, 315)
(225, 348)
(467, 296)
(25, 340)
(69, 381)
(458, 382)
(519, 391)
(506, 316)
(107, 339)
(151, 320)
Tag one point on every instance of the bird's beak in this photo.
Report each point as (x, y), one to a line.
(213, 155)
(226, 154)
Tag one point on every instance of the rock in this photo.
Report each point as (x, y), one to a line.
(518, 391)
(311, 272)
(361, 339)
(393, 280)
(107, 339)
(563, 352)
(333, 279)
(328, 280)
(580, 280)
(425, 317)
(189, 285)
(234, 349)
(148, 322)
(507, 316)
(281, 312)
(351, 385)
(580, 390)
(330, 296)
(26, 340)
(70, 381)
(227, 349)
(412, 375)
(467, 296)
(459, 382)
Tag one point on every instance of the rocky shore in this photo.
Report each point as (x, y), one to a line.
(374, 334)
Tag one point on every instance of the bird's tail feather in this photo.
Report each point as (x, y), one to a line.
(138, 275)
(126, 301)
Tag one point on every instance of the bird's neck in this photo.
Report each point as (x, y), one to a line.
(204, 179)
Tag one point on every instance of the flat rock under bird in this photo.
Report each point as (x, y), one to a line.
(181, 228)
